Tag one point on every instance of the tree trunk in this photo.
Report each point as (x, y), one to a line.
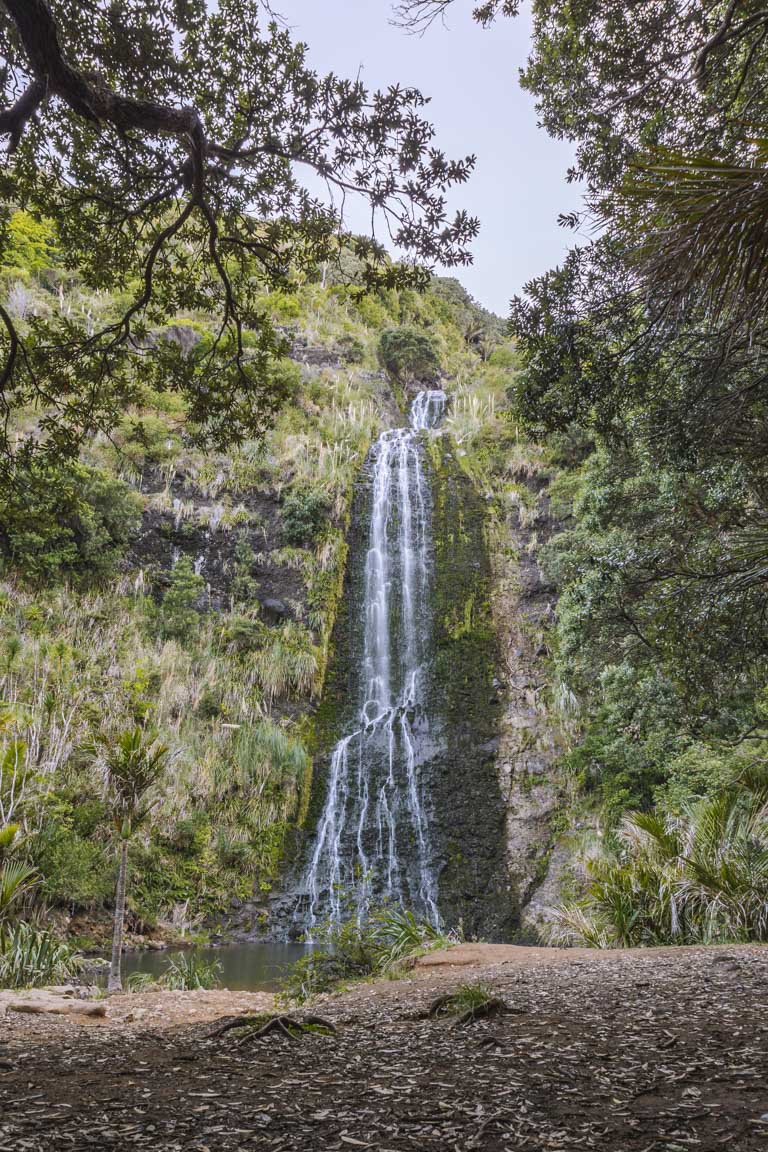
(115, 983)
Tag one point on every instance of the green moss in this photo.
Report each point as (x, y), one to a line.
(465, 644)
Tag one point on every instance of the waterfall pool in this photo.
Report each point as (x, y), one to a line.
(253, 967)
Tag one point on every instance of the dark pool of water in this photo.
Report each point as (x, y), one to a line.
(244, 967)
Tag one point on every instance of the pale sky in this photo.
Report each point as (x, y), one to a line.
(519, 187)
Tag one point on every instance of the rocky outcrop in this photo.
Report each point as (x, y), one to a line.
(182, 519)
(529, 733)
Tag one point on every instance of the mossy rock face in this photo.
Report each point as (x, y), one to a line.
(455, 726)
(467, 806)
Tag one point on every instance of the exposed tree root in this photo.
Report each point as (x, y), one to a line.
(485, 1011)
(259, 1025)
(235, 1022)
(437, 1007)
(447, 1006)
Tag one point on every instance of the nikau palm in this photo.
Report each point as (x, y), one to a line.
(16, 878)
(133, 764)
(697, 877)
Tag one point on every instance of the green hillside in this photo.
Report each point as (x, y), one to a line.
(195, 593)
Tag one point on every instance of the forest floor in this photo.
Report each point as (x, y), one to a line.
(644, 1051)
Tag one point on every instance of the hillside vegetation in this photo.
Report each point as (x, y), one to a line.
(194, 594)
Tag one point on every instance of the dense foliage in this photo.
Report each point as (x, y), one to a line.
(643, 372)
(164, 146)
(29, 955)
(409, 355)
(698, 877)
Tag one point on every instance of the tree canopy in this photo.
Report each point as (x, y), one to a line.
(164, 144)
(409, 354)
(643, 370)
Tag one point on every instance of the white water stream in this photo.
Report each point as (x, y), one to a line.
(373, 836)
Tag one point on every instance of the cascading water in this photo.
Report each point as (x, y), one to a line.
(373, 837)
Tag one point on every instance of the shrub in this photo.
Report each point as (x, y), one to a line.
(288, 666)
(700, 876)
(351, 348)
(304, 514)
(30, 958)
(75, 871)
(398, 936)
(372, 309)
(140, 982)
(285, 377)
(347, 952)
(66, 521)
(191, 836)
(283, 305)
(468, 1001)
(146, 439)
(244, 587)
(179, 611)
(189, 970)
(210, 705)
(30, 243)
(409, 354)
(241, 634)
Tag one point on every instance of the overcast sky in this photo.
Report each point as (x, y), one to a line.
(519, 185)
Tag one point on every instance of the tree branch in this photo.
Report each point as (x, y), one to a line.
(699, 69)
(88, 97)
(13, 350)
(14, 120)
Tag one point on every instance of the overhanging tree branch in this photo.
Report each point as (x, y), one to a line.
(92, 98)
(14, 120)
(170, 157)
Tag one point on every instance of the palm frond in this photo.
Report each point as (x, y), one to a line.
(699, 222)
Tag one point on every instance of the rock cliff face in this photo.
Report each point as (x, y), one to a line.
(529, 734)
(486, 737)
(197, 510)
(185, 517)
(468, 805)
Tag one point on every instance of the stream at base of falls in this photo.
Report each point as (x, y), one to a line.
(372, 840)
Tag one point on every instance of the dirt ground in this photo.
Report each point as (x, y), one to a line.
(661, 1049)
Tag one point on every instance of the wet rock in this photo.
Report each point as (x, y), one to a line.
(274, 611)
(454, 723)
(530, 737)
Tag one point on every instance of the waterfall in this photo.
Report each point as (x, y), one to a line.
(372, 838)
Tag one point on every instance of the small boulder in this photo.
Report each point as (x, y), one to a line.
(274, 611)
